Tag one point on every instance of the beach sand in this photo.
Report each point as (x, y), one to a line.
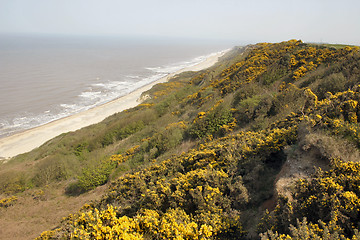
(30, 139)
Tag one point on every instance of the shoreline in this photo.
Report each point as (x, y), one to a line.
(30, 139)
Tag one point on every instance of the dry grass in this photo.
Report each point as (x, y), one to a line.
(37, 211)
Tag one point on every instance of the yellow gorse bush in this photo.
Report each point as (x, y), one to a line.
(7, 202)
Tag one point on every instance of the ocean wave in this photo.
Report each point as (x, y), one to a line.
(19, 123)
(90, 95)
(133, 76)
(109, 84)
(69, 106)
(171, 68)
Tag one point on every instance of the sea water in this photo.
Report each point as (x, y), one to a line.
(45, 78)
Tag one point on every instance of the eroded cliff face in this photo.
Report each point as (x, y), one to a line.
(314, 150)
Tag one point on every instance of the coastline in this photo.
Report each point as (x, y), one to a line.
(32, 138)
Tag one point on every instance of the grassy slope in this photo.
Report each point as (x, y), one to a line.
(211, 142)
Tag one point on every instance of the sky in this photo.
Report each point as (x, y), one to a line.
(240, 21)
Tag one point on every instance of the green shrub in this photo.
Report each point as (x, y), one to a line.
(12, 182)
(80, 148)
(334, 83)
(211, 123)
(94, 176)
(49, 170)
(248, 90)
(129, 130)
(274, 74)
(108, 139)
(73, 189)
(246, 108)
(121, 132)
(166, 140)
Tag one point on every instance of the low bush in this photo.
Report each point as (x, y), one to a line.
(49, 170)
(12, 182)
(210, 123)
(91, 177)
(7, 202)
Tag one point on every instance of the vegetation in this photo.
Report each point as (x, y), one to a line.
(328, 203)
(263, 145)
(6, 202)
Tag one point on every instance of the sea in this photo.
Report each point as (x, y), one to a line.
(45, 78)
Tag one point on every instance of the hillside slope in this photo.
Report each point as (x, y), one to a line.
(226, 153)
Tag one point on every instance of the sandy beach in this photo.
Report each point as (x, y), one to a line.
(30, 139)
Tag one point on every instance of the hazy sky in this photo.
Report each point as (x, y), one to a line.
(242, 21)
